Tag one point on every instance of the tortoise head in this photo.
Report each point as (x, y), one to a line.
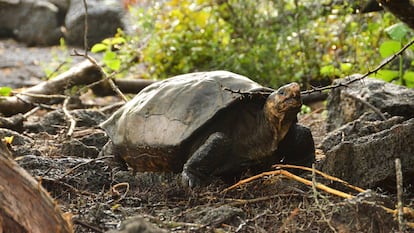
(281, 108)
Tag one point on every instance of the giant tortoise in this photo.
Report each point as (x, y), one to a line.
(210, 124)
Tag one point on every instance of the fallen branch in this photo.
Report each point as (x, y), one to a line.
(81, 74)
(132, 86)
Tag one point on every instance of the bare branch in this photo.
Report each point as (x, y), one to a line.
(353, 78)
(85, 32)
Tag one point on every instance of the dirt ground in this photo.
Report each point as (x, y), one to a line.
(99, 194)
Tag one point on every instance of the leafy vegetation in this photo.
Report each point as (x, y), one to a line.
(270, 41)
(403, 74)
(5, 91)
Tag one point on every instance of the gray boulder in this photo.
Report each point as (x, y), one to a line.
(30, 21)
(366, 125)
(104, 18)
(347, 104)
(369, 161)
(363, 144)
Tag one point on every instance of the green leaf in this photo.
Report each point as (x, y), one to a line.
(109, 55)
(409, 76)
(305, 109)
(118, 40)
(387, 75)
(99, 47)
(397, 31)
(106, 41)
(5, 91)
(389, 47)
(346, 67)
(409, 79)
(110, 59)
(329, 71)
(62, 42)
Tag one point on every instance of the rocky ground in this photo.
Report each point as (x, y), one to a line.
(100, 195)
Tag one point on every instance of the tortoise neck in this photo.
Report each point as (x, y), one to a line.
(279, 124)
(271, 126)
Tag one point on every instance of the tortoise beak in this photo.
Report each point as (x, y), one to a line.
(290, 94)
(294, 101)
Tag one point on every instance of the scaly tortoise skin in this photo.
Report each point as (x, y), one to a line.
(210, 124)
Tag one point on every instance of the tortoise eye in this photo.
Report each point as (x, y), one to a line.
(281, 91)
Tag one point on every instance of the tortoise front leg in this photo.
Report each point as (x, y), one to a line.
(206, 160)
(298, 147)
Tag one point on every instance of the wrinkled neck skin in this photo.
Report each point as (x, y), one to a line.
(278, 122)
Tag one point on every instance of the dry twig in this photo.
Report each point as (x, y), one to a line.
(291, 176)
(351, 79)
(82, 164)
(292, 214)
(244, 223)
(238, 202)
(315, 197)
(400, 205)
(114, 191)
(332, 178)
(106, 76)
(405, 210)
(69, 116)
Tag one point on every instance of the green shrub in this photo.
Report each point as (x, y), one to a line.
(270, 41)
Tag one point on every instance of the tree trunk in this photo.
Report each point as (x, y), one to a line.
(24, 205)
(403, 9)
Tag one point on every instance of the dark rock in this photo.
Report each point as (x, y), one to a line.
(347, 104)
(76, 148)
(14, 122)
(91, 175)
(18, 139)
(364, 213)
(53, 121)
(30, 21)
(215, 216)
(104, 18)
(367, 124)
(97, 139)
(368, 161)
(21, 145)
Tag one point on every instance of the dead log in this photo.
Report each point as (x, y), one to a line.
(82, 74)
(24, 205)
(403, 9)
(132, 86)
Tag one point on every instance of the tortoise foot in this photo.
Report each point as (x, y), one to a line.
(191, 180)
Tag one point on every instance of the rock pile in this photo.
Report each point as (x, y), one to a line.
(371, 124)
(44, 22)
